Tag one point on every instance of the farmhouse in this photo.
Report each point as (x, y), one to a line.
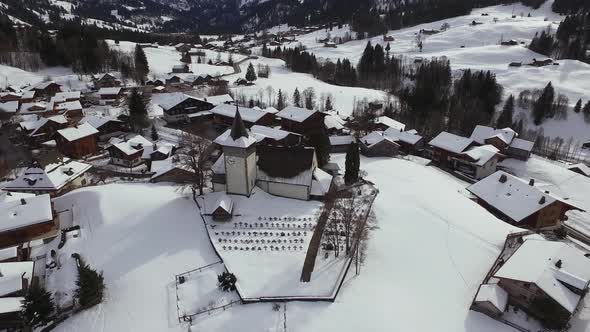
(128, 152)
(376, 144)
(447, 146)
(520, 203)
(77, 142)
(581, 169)
(547, 279)
(27, 219)
(300, 120)
(54, 179)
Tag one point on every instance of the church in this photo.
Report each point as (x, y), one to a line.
(285, 171)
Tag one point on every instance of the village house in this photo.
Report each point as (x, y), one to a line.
(519, 203)
(340, 144)
(156, 81)
(129, 152)
(15, 280)
(290, 172)
(478, 161)
(300, 120)
(335, 125)
(54, 179)
(180, 107)
(78, 141)
(71, 109)
(27, 219)
(46, 89)
(38, 108)
(409, 141)
(8, 110)
(171, 170)
(44, 129)
(219, 99)
(546, 279)
(106, 80)
(223, 115)
(387, 38)
(375, 144)
(181, 68)
(10, 96)
(506, 140)
(106, 126)
(110, 96)
(581, 169)
(447, 146)
(383, 123)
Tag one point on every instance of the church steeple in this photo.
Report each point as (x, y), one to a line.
(238, 128)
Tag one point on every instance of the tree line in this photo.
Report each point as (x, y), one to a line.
(570, 41)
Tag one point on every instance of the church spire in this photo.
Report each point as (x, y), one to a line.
(238, 128)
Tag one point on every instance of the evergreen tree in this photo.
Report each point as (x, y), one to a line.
(141, 64)
(578, 106)
(37, 306)
(227, 281)
(155, 135)
(90, 285)
(505, 118)
(586, 111)
(251, 73)
(321, 142)
(543, 106)
(328, 105)
(297, 98)
(280, 101)
(352, 164)
(518, 126)
(138, 117)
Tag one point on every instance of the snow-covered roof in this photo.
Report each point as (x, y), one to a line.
(271, 110)
(522, 144)
(410, 137)
(225, 139)
(221, 99)
(62, 96)
(26, 107)
(8, 253)
(262, 132)
(481, 133)
(481, 155)
(25, 212)
(64, 106)
(376, 137)
(581, 167)
(75, 133)
(297, 114)
(511, 195)
(161, 167)
(341, 140)
(535, 262)
(333, 121)
(28, 94)
(169, 100)
(7, 196)
(109, 91)
(248, 114)
(493, 294)
(11, 275)
(97, 121)
(11, 304)
(216, 200)
(59, 119)
(42, 85)
(132, 145)
(52, 177)
(9, 107)
(321, 182)
(451, 142)
(391, 123)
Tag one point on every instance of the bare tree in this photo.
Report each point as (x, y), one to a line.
(271, 93)
(345, 211)
(332, 233)
(193, 153)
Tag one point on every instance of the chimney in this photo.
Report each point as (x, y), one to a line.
(503, 178)
(23, 202)
(542, 200)
(532, 182)
(558, 264)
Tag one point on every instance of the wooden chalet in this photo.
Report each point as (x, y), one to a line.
(182, 68)
(8, 110)
(520, 203)
(110, 96)
(77, 142)
(46, 89)
(300, 120)
(505, 140)
(107, 126)
(107, 80)
(128, 152)
(180, 107)
(340, 144)
(170, 170)
(44, 129)
(409, 141)
(223, 116)
(27, 219)
(274, 136)
(376, 144)
(477, 162)
(446, 146)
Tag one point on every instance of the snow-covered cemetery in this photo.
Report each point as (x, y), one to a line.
(385, 167)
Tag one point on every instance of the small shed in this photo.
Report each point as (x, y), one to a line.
(219, 206)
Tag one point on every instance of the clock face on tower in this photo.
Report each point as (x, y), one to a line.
(231, 160)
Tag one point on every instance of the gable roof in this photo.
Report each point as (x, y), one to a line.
(247, 114)
(481, 133)
(12, 274)
(451, 142)
(217, 200)
(25, 212)
(376, 137)
(582, 168)
(409, 137)
(109, 91)
(75, 133)
(130, 146)
(512, 196)
(522, 144)
(493, 294)
(221, 99)
(97, 121)
(9, 107)
(535, 262)
(297, 114)
(52, 177)
(391, 123)
(59, 119)
(285, 162)
(262, 132)
(481, 155)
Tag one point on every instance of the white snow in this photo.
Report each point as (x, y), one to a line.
(297, 114)
(25, 212)
(450, 142)
(12, 274)
(76, 133)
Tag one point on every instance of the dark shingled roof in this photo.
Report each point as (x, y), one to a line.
(238, 129)
(284, 162)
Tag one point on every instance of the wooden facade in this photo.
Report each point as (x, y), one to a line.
(313, 124)
(549, 216)
(49, 91)
(175, 175)
(383, 148)
(78, 149)
(107, 81)
(18, 236)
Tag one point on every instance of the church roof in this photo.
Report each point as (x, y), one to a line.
(284, 162)
(238, 128)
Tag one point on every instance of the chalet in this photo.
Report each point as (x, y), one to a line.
(110, 96)
(223, 115)
(128, 152)
(383, 123)
(28, 96)
(44, 129)
(506, 140)
(77, 142)
(67, 96)
(27, 219)
(290, 172)
(179, 107)
(376, 144)
(520, 149)
(274, 136)
(219, 206)
(46, 89)
(335, 125)
(107, 80)
(202, 79)
(107, 127)
(170, 170)
(220, 99)
(182, 68)
(33, 108)
(447, 146)
(477, 162)
(409, 141)
(547, 279)
(15, 280)
(300, 120)
(71, 109)
(8, 110)
(10, 96)
(581, 169)
(340, 144)
(520, 203)
(54, 179)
